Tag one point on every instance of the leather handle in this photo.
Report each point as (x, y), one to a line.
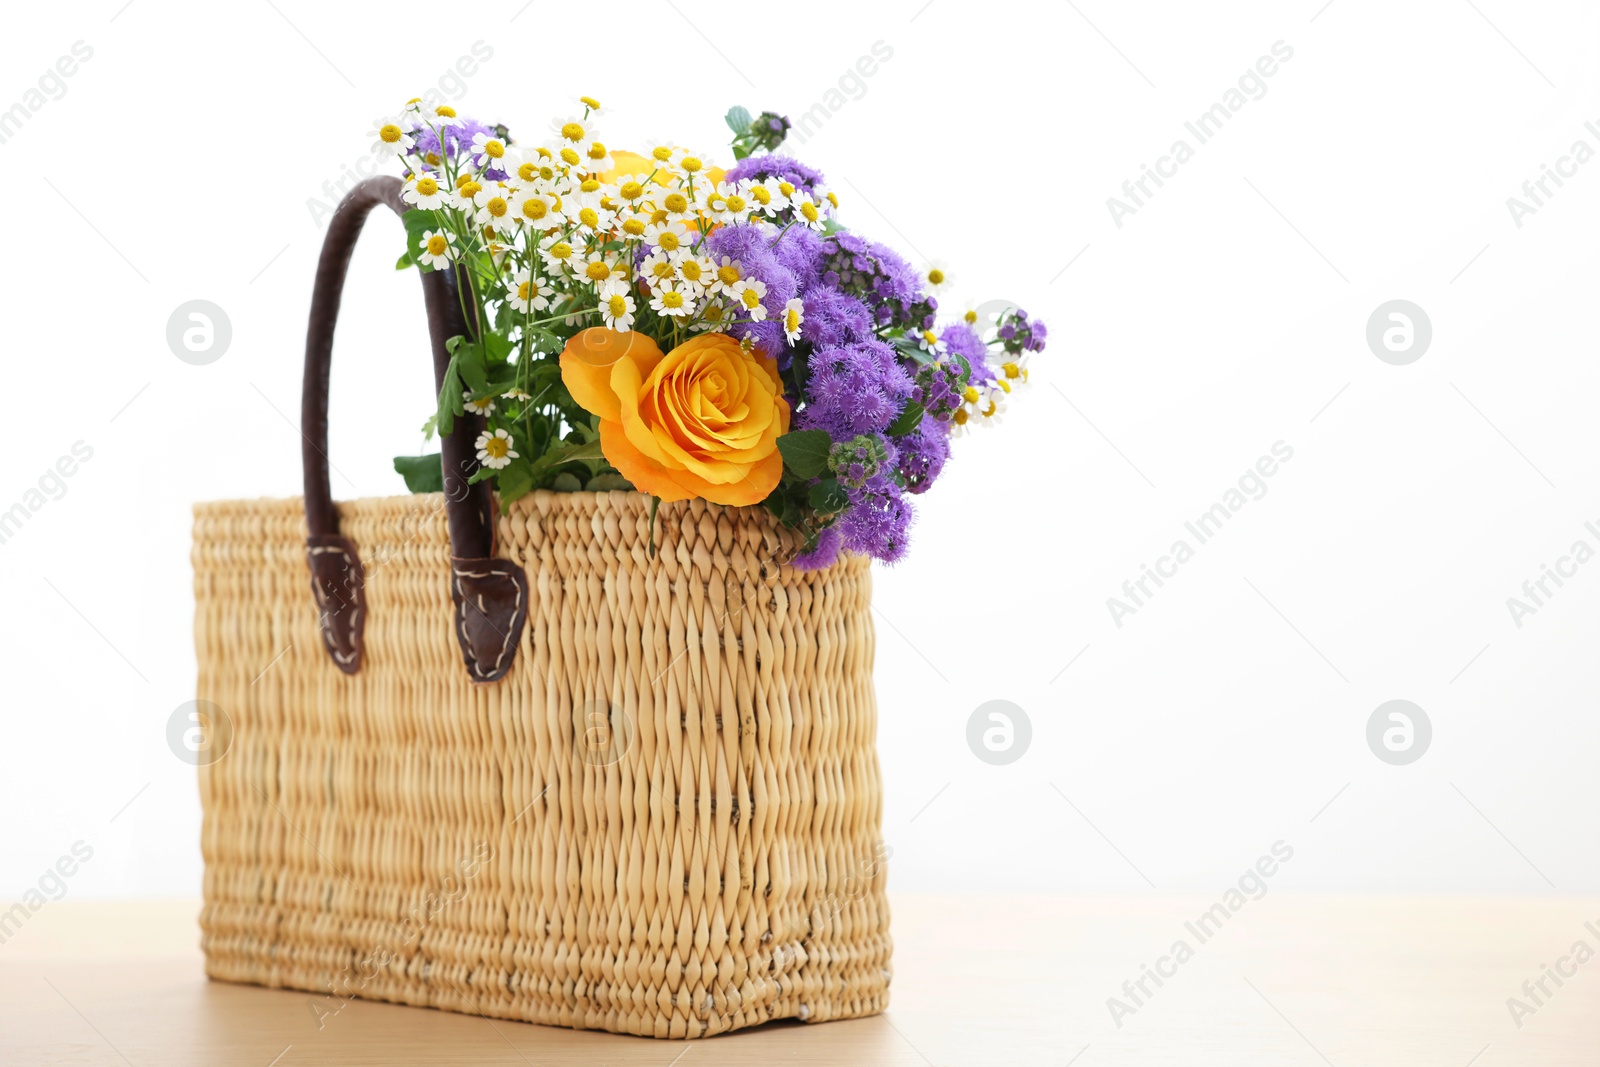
(490, 595)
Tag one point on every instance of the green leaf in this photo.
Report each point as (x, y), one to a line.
(405, 261)
(829, 497)
(740, 152)
(423, 474)
(451, 402)
(738, 119)
(908, 420)
(805, 452)
(830, 226)
(515, 480)
(566, 482)
(607, 481)
(498, 347)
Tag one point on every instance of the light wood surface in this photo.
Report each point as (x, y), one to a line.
(1287, 980)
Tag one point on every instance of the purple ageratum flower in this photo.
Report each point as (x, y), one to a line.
(457, 139)
(923, 453)
(963, 340)
(784, 168)
(854, 389)
(750, 247)
(801, 250)
(823, 554)
(880, 277)
(877, 520)
(833, 318)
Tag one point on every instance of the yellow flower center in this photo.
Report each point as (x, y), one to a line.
(522, 290)
(989, 411)
(572, 131)
(791, 321)
(762, 194)
(433, 159)
(497, 447)
(690, 270)
(713, 313)
(668, 239)
(971, 318)
(445, 111)
(970, 395)
(671, 299)
(597, 152)
(735, 203)
(675, 202)
(751, 300)
(535, 208)
(658, 216)
(728, 273)
(589, 102)
(470, 189)
(496, 206)
(1003, 384)
(543, 152)
(786, 189)
(590, 185)
(633, 228)
(960, 417)
(618, 305)
(570, 156)
(437, 244)
(833, 198)
(661, 153)
(661, 269)
(936, 277)
(427, 186)
(493, 149)
(691, 164)
(527, 171)
(561, 250)
(1011, 369)
(589, 217)
(389, 132)
(631, 190)
(930, 337)
(809, 210)
(598, 271)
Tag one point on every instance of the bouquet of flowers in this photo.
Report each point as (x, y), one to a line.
(651, 321)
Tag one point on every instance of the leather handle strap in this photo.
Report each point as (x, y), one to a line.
(490, 595)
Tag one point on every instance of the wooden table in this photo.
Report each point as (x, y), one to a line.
(1287, 980)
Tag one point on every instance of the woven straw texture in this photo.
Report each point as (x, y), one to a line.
(665, 821)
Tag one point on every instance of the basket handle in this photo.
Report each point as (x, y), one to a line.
(490, 595)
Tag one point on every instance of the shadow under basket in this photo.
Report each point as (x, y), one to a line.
(664, 820)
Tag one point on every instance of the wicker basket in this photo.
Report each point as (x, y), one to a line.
(657, 812)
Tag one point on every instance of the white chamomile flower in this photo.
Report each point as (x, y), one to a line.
(936, 276)
(588, 104)
(461, 198)
(559, 253)
(494, 207)
(991, 408)
(661, 154)
(593, 156)
(515, 394)
(808, 211)
(714, 315)
(728, 202)
(929, 341)
(678, 205)
(793, 316)
(749, 292)
(391, 135)
(693, 269)
(600, 267)
(769, 196)
(437, 248)
(440, 116)
(616, 306)
(590, 218)
(424, 191)
(533, 208)
(656, 268)
(482, 406)
(494, 449)
(669, 235)
(572, 129)
(1014, 371)
(672, 300)
(689, 162)
(960, 422)
(488, 151)
(728, 274)
(527, 294)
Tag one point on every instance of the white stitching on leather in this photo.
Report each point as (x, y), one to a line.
(322, 602)
(461, 614)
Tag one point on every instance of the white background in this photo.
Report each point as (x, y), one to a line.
(1227, 314)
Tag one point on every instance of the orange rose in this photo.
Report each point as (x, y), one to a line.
(700, 421)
